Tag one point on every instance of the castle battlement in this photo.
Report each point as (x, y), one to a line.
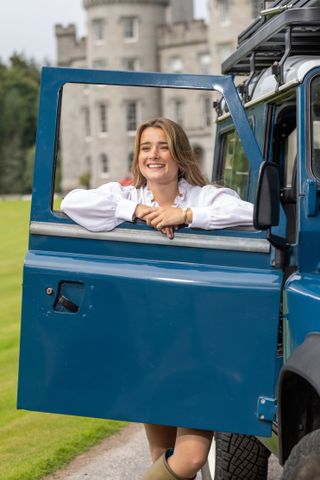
(181, 34)
(61, 30)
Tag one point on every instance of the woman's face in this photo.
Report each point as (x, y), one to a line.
(156, 163)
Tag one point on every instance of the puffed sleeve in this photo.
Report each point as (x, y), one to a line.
(101, 209)
(220, 208)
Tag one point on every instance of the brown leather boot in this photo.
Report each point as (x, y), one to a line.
(161, 470)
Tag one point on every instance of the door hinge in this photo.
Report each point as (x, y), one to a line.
(267, 409)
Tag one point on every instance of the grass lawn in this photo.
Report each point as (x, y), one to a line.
(31, 444)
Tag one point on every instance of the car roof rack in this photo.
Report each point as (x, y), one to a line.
(290, 29)
(265, 17)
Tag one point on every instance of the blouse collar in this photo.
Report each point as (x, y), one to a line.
(183, 187)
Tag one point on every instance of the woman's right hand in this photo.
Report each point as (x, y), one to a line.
(142, 211)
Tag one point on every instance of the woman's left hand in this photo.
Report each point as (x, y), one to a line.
(165, 217)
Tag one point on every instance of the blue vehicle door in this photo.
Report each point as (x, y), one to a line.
(130, 325)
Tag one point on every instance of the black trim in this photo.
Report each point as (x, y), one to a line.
(268, 41)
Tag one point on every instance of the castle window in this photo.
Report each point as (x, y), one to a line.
(98, 27)
(104, 165)
(205, 63)
(207, 111)
(86, 122)
(224, 11)
(132, 116)
(176, 64)
(131, 64)
(103, 118)
(130, 28)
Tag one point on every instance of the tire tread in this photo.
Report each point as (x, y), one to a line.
(301, 452)
(240, 457)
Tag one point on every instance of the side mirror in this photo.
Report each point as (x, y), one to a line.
(267, 204)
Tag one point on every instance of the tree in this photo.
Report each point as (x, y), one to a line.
(19, 90)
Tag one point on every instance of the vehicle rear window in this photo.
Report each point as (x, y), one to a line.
(234, 165)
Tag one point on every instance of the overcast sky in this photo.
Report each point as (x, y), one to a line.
(27, 26)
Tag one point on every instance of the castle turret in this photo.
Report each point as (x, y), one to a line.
(69, 48)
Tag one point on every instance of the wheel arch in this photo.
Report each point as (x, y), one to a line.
(299, 395)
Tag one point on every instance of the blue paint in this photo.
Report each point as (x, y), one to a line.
(153, 341)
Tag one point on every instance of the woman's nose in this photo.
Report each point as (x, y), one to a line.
(154, 152)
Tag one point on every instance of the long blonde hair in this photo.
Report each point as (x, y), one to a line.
(179, 147)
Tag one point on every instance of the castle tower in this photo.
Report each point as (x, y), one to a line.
(121, 35)
(122, 29)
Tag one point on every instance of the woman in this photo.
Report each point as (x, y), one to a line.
(169, 190)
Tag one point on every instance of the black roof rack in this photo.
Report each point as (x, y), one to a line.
(261, 20)
(295, 31)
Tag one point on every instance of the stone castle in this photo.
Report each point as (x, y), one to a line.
(98, 123)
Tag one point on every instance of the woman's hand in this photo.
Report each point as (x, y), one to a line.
(165, 217)
(160, 218)
(142, 210)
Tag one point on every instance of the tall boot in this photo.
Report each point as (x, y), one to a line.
(161, 470)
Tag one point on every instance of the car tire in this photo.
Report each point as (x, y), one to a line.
(237, 457)
(304, 459)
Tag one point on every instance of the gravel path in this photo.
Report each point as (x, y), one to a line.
(123, 456)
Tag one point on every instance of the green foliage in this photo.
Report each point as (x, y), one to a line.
(84, 180)
(19, 90)
(31, 444)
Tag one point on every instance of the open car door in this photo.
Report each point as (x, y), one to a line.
(130, 325)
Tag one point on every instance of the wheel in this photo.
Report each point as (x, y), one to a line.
(304, 460)
(236, 457)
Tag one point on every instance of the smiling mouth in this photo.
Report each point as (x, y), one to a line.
(155, 165)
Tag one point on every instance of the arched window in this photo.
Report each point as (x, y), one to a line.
(104, 164)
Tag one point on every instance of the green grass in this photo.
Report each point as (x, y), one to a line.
(31, 444)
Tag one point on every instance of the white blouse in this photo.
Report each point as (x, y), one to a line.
(103, 208)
